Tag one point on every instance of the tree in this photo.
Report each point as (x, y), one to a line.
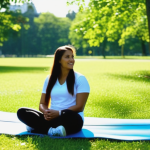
(9, 21)
(46, 33)
(77, 39)
(114, 20)
(71, 15)
(63, 31)
(148, 17)
(52, 31)
(5, 3)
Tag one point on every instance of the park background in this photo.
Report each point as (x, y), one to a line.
(100, 28)
(115, 30)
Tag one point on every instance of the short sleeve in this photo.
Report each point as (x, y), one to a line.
(82, 85)
(45, 84)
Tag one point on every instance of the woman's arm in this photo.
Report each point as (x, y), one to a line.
(43, 106)
(81, 99)
(48, 113)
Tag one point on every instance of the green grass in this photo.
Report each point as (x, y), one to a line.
(119, 89)
(115, 57)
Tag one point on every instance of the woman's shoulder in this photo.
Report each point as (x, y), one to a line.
(47, 78)
(77, 75)
(81, 83)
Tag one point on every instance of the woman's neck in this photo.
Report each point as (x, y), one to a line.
(64, 74)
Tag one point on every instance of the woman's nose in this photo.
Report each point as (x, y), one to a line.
(71, 59)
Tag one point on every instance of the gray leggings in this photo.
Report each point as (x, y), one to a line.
(71, 120)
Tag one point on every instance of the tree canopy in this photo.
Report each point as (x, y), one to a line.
(95, 30)
(114, 20)
(46, 33)
(5, 3)
(10, 22)
(52, 31)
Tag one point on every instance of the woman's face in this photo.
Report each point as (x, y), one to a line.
(67, 60)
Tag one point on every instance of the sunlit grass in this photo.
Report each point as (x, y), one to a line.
(46, 143)
(119, 89)
(114, 57)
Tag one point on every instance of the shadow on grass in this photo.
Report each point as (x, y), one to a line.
(139, 76)
(46, 143)
(112, 108)
(11, 69)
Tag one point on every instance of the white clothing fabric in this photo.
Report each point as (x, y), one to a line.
(61, 98)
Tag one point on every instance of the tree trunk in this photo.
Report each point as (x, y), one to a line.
(148, 17)
(122, 51)
(103, 52)
(103, 47)
(98, 50)
(143, 48)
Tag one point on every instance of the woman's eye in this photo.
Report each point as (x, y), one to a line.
(69, 56)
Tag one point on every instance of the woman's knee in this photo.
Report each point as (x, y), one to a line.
(72, 121)
(20, 112)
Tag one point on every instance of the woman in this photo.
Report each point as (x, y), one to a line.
(66, 91)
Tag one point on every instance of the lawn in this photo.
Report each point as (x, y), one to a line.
(120, 88)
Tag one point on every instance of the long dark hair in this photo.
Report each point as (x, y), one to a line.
(56, 70)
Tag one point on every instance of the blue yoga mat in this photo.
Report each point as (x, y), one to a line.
(119, 129)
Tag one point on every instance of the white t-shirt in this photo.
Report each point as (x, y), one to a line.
(61, 98)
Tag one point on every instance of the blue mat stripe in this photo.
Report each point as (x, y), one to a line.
(122, 129)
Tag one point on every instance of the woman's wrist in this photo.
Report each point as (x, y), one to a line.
(59, 112)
